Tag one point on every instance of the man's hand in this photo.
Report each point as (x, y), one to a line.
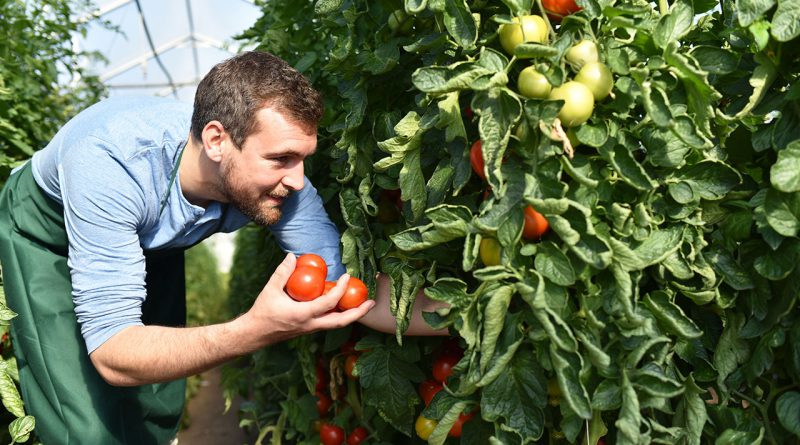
(275, 316)
(139, 355)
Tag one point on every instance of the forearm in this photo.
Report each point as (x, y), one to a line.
(141, 355)
(381, 319)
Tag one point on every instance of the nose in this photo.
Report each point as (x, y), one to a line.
(294, 177)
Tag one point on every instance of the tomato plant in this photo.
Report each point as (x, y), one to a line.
(331, 434)
(354, 295)
(306, 283)
(670, 263)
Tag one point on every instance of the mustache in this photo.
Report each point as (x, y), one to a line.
(280, 193)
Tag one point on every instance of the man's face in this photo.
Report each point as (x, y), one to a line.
(269, 166)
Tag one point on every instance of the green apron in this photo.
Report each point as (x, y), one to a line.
(60, 386)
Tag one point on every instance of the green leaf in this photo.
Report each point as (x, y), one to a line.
(671, 315)
(783, 212)
(628, 168)
(460, 23)
(21, 428)
(708, 179)
(518, 396)
(748, 11)
(567, 366)
(734, 437)
(731, 350)
(659, 245)
(446, 79)
(786, 21)
(534, 50)
(788, 409)
(499, 110)
(691, 412)
(762, 78)
(517, 7)
(733, 274)
(777, 264)
(656, 104)
(715, 60)
(10, 395)
(494, 317)
(450, 118)
(593, 135)
(785, 172)
(664, 148)
(553, 264)
(387, 376)
(630, 418)
(674, 25)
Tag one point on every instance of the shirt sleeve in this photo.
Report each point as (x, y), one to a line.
(103, 210)
(306, 228)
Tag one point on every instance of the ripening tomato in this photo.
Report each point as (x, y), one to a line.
(558, 9)
(535, 224)
(331, 434)
(582, 53)
(428, 389)
(424, 427)
(354, 295)
(455, 430)
(357, 436)
(476, 159)
(349, 365)
(306, 283)
(490, 252)
(597, 77)
(323, 403)
(578, 103)
(525, 29)
(443, 366)
(533, 84)
(312, 260)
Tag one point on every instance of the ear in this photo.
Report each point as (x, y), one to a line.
(215, 140)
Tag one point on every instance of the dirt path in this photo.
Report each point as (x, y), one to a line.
(208, 426)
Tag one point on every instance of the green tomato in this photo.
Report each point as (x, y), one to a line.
(533, 84)
(578, 103)
(597, 77)
(582, 53)
(532, 28)
(490, 252)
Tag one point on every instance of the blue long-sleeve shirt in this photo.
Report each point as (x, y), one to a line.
(110, 168)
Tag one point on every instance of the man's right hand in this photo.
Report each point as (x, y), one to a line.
(275, 316)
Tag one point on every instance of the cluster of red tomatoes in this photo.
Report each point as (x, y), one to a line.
(442, 369)
(330, 433)
(307, 283)
(592, 81)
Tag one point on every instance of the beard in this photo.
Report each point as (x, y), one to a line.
(250, 203)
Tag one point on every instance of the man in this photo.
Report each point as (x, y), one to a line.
(92, 233)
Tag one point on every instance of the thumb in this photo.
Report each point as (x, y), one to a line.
(283, 271)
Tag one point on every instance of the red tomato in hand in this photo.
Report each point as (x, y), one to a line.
(476, 159)
(331, 434)
(312, 260)
(328, 286)
(354, 295)
(558, 9)
(306, 283)
(349, 365)
(443, 366)
(428, 389)
(323, 403)
(455, 430)
(535, 224)
(357, 436)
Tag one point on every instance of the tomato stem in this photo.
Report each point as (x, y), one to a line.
(663, 7)
(550, 29)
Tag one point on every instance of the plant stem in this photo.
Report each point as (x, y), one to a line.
(663, 7)
(550, 31)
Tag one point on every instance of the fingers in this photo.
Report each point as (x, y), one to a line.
(335, 320)
(283, 271)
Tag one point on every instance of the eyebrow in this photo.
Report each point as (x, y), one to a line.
(290, 152)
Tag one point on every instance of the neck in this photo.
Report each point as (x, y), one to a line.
(198, 175)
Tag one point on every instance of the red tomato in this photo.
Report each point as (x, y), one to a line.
(349, 364)
(428, 389)
(476, 159)
(560, 8)
(535, 224)
(443, 366)
(306, 283)
(328, 286)
(312, 260)
(357, 436)
(354, 295)
(469, 113)
(323, 403)
(331, 434)
(455, 430)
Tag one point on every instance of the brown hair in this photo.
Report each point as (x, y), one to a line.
(235, 89)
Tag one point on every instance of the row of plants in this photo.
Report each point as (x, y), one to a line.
(620, 265)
